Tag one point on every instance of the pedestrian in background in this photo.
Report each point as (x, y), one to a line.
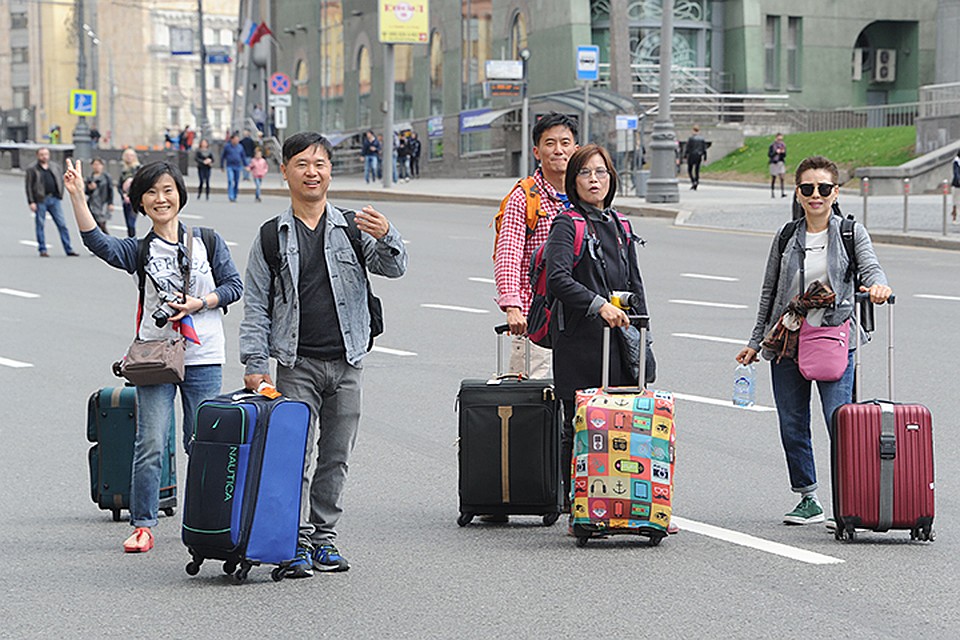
(44, 183)
(777, 156)
(248, 144)
(158, 192)
(956, 184)
(130, 165)
(258, 169)
(317, 326)
(583, 289)
(204, 159)
(414, 145)
(259, 117)
(814, 252)
(370, 150)
(234, 159)
(696, 152)
(403, 159)
(99, 192)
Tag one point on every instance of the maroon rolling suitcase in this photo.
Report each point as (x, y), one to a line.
(882, 460)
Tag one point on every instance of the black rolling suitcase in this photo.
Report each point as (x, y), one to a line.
(509, 436)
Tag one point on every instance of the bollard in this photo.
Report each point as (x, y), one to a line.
(945, 187)
(865, 191)
(906, 197)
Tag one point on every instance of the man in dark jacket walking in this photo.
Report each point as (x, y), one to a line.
(696, 152)
(234, 159)
(44, 182)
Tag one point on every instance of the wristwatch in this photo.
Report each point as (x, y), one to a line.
(205, 306)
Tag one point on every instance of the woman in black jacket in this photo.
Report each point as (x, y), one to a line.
(581, 285)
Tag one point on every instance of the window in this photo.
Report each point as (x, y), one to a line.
(174, 116)
(18, 21)
(20, 54)
(403, 75)
(217, 119)
(476, 45)
(794, 43)
(771, 46)
(21, 98)
(226, 37)
(436, 74)
(197, 78)
(217, 81)
(174, 77)
(518, 36)
(364, 71)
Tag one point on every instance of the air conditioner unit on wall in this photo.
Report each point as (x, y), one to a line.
(885, 65)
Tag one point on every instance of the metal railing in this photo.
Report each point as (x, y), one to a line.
(938, 100)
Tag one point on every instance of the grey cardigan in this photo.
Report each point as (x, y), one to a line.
(776, 292)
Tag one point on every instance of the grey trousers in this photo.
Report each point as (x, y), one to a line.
(332, 389)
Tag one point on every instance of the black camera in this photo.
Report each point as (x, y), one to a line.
(164, 311)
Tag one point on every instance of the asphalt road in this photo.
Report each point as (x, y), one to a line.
(415, 573)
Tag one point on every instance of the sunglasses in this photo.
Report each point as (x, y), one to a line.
(825, 189)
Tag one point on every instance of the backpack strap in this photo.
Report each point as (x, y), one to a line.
(270, 244)
(209, 238)
(848, 237)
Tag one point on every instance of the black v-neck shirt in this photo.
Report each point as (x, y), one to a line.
(320, 335)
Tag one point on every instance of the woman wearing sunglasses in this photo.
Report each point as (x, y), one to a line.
(582, 284)
(814, 252)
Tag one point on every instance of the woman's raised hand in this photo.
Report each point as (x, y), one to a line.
(73, 177)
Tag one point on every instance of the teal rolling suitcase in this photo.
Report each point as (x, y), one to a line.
(112, 426)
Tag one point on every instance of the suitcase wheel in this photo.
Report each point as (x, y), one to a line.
(242, 572)
(229, 567)
(655, 540)
(277, 574)
(550, 518)
(582, 541)
(169, 511)
(924, 534)
(192, 568)
(467, 518)
(116, 515)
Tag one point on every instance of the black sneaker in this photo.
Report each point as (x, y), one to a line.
(327, 558)
(301, 567)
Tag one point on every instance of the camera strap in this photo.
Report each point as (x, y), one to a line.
(143, 253)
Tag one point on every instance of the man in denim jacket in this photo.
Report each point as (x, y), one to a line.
(317, 327)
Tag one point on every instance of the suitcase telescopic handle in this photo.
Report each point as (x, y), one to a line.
(642, 323)
(864, 309)
(500, 330)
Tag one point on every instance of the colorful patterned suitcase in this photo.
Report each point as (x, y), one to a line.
(623, 458)
(882, 462)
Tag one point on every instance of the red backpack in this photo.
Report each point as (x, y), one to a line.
(541, 306)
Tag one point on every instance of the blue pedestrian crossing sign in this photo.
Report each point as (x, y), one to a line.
(83, 103)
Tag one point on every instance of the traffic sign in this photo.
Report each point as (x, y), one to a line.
(280, 117)
(279, 83)
(280, 101)
(83, 103)
(588, 63)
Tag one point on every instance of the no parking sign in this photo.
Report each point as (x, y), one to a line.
(279, 84)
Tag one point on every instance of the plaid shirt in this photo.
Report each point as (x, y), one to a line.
(515, 247)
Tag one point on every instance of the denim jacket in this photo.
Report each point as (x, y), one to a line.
(263, 336)
(776, 292)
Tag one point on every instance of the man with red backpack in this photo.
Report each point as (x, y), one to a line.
(522, 225)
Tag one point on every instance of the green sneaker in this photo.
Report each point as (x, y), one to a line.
(807, 512)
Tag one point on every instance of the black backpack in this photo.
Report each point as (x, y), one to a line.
(270, 243)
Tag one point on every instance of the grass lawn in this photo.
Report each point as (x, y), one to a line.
(849, 148)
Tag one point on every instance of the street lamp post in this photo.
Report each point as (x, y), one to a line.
(82, 148)
(203, 122)
(524, 118)
(663, 183)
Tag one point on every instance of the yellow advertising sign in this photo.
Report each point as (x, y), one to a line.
(404, 22)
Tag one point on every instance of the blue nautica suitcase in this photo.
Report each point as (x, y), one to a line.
(244, 480)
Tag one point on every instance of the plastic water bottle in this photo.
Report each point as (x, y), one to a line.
(745, 385)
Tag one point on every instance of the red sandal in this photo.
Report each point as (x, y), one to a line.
(140, 542)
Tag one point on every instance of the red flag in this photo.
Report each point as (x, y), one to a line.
(261, 31)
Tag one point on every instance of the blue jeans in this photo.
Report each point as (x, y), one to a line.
(791, 391)
(130, 217)
(154, 413)
(332, 389)
(233, 182)
(51, 204)
(370, 168)
(257, 182)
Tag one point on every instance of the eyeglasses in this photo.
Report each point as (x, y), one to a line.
(825, 189)
(600, 171)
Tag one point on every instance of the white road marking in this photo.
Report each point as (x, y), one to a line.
(117, 227)
(697, 336)
(448, 307)
(720, 403)
(16, 364)
(191, 216)
(483, 280)
(718, 305)
(931, 296)
(752, 542)
(19, 294)
(29, 243)
(703, 276)
(230, 243)
(392, 352)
